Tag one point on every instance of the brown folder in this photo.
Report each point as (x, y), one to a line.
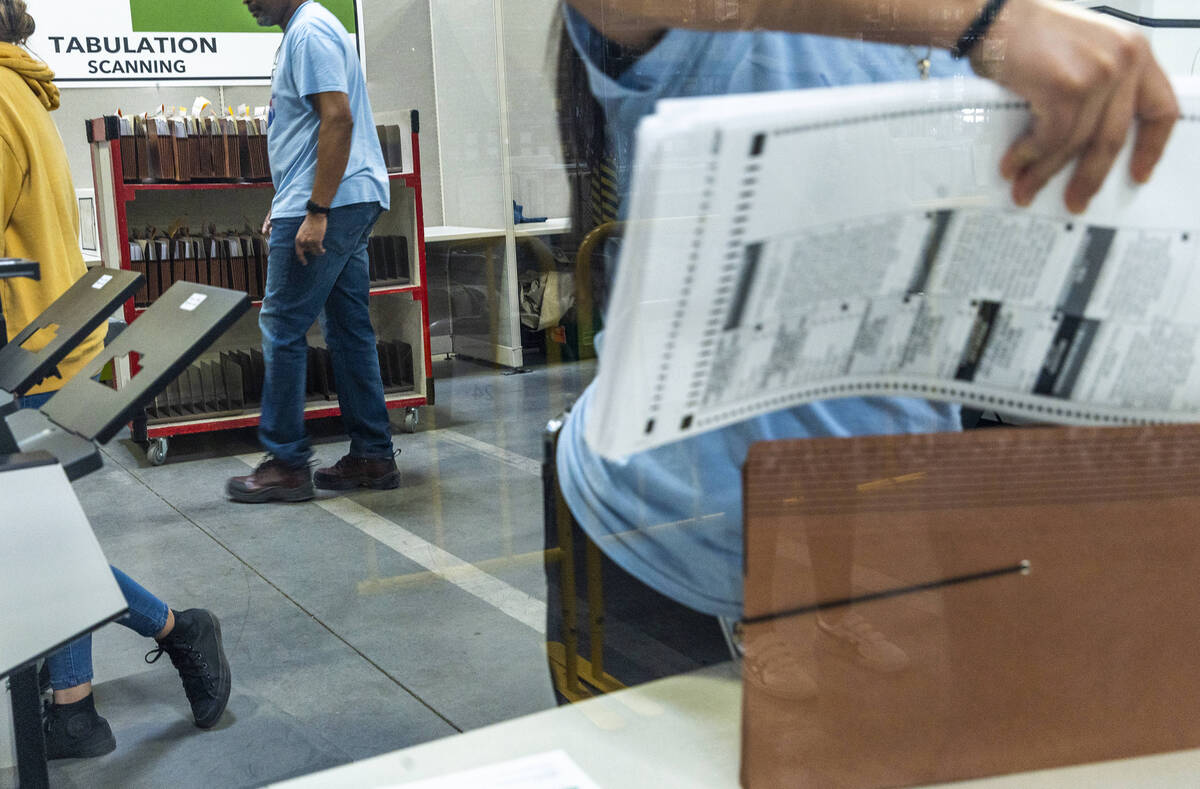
(213, 252)
(162, 157)
(262, 259)
(199, 257)
(145, 151)
(264, 159)
(165, 265)
(158, 268)
(246, 157)
(137, 263)
(185, 248)
(1027, 596)
(253, 287)
(233, 149)
(220, 165)
(237, 264)
(129, 160)
(182, 151)
(198, 132)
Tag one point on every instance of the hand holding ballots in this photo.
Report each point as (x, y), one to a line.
(861, 241)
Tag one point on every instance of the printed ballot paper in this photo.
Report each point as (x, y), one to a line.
(790, 247)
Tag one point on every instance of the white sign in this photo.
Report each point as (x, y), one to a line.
(121, 43)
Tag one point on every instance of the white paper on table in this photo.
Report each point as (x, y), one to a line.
(552, 770)
(789, 247)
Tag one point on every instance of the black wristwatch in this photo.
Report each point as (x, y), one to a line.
(317, 208)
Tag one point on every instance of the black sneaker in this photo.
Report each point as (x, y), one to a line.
(194, 646)
(76, 731)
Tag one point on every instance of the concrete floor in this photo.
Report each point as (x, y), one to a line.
(351, 625)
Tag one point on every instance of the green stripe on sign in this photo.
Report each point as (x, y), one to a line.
(214, 16)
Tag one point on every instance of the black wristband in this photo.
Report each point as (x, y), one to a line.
(977, 29)
(317, 208)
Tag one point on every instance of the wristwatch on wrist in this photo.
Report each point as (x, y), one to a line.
(317, 208)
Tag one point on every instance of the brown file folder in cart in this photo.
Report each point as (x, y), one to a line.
(1026, 598)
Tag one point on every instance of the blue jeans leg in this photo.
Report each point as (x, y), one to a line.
(346, 323)
(296, 295)
(72, 665)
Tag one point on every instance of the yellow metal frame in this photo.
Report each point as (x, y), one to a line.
(575, 677)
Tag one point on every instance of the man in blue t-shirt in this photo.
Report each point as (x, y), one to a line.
(331, 185)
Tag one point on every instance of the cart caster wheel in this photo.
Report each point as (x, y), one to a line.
(410, 420)
(156, 452)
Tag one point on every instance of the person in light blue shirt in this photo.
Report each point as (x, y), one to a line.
(319, 56)
(672, 516)
(331, 185)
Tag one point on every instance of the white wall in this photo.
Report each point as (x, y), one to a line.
(465, 73)
(530, 54)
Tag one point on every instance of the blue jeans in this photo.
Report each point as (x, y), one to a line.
(35, 400)
(72, 665)
(334, 287)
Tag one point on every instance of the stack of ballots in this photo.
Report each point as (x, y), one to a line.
(860, 241)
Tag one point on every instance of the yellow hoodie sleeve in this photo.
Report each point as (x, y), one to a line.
(12, 182)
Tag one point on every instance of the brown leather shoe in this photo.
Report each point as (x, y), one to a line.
(355, 472)
(272, 481)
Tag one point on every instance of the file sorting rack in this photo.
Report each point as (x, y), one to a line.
(399, 309)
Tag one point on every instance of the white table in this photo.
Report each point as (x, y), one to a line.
(55, 585)
(680, 732)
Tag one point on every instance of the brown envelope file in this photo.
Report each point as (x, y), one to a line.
(137, 263)
(248, 254)
(200, 256)
(199, 131)
(185, 250)
(1091, 656)
(262, 158)
(233, 149)
(95, 129)
(129, 159)
(146, 153)
(194, 144)
(178, 261)
(181, 150)
(219, 156)
(218, 266)
(246, 155)
(237, 263)
(158, 269)
(162, 150)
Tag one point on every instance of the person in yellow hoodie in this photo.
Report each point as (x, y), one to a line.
(41, 222)
(37, 196)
